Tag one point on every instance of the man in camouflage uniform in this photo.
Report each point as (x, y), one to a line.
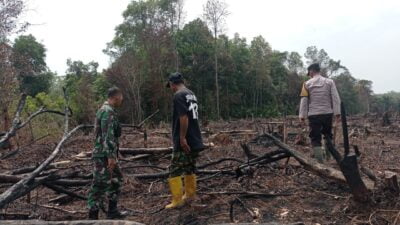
(107, 176)
(187, 142)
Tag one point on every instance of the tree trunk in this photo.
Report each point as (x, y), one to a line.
(216, 73)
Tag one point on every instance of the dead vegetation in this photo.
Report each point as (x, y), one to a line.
(249, 175)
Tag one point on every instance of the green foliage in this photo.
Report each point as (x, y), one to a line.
(100, 87)
(48, 101)
(32, 54)
(195, 49)
(47, 123)
(29, 61)
(346, 86)
(80, 85)
(34, 85)
(254, 79)
(386, 102)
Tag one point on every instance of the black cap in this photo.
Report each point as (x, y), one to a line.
(315, 67)
(175, 78)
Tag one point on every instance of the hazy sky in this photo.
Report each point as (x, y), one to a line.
(363, 34)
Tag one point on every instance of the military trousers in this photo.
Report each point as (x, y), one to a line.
(105, 183)
(183, 163)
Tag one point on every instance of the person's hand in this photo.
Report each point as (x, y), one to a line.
(184, 145)
(302, 121)
(112, 163)
(338, 118)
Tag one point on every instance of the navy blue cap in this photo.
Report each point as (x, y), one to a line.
(175, 78)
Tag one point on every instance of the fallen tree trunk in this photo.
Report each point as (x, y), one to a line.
(16, 121)
(50, 182)
(17, 124)
(32, 168)
(133, 151)
(140, 151)
(64, 191)
(245, 193)
(28, 183)
(137, 151)
(314, 166)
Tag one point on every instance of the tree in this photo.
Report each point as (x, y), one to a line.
(294, 63)
(382, 103)
(8, 83)
(195, 49)
(346, 83)
(260, 61)
(10, 12)
(33, 85)
(329, 67)
(29, 61)
(79, 82)
(175, 15)
(236, 79)
(144, 52)
(364, 91)
(215, 12)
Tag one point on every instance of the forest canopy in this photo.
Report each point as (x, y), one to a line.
(233, 77)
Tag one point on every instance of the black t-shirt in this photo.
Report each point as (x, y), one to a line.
(185, 103)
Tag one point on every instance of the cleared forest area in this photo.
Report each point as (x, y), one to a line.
(257, 166)
(243, 177)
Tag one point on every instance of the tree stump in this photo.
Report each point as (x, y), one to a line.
(391, 182)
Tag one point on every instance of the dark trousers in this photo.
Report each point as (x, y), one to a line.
(320, 125)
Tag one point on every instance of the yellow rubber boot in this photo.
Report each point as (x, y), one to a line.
(190, 187)
(176, 188)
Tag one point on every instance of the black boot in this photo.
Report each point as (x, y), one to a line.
(93, 214)
(113, 212)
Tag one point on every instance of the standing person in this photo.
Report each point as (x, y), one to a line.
(320, 101)
(107, 176)
(187, 142)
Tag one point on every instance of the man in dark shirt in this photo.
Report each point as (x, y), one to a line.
(187, 142)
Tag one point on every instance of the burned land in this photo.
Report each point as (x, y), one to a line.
(236, 184)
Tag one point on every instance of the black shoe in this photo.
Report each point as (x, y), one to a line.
(113, 212)
(93, 214)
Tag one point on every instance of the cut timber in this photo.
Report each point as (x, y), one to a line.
(28, 183)
(313, 166)
(392, 182)
(140, 151)
(32, 168)
(238, 132)
(14, 216)
(137, 151)
(132, 151)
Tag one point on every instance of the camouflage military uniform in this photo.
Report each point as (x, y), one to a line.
(105, 181)
(183, 163)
